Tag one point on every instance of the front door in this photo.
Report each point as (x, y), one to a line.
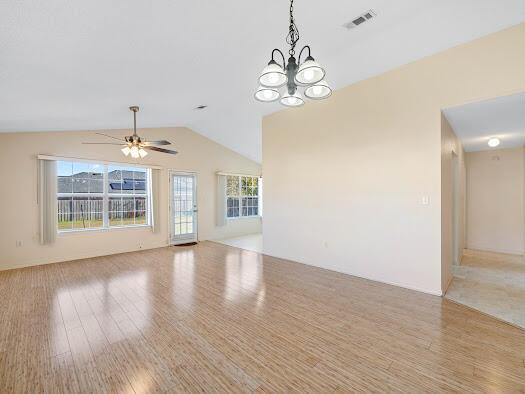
(183, 208)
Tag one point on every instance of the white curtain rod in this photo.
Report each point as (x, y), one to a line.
(229, 173)
(56, 158)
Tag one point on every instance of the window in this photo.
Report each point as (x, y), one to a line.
(94, 196)
(127, 197)
(242, 196)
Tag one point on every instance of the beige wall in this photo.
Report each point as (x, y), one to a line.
(18, 171)
(345, 177)
(453, 187)
(495, 200)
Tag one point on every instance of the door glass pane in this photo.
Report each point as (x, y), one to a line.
(183, 205)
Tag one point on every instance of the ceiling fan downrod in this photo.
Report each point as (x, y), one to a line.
(134, 109)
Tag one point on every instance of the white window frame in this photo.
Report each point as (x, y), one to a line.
(240, 197)
(105, 198)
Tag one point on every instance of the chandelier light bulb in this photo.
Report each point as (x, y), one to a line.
(319, 91)
(292, 100)
(267, 95)
(273, 76)
(309, 75)
(310, 72)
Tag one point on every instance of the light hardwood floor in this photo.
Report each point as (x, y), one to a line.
(219, 319)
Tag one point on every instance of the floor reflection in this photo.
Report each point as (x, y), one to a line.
(100, 312)
(183, 279)
(243, 277)
(208, 318)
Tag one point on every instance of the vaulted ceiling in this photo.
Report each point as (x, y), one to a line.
(78, 65)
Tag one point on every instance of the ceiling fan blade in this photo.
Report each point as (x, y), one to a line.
(103, 143)
(110, 136)
(171, 152)
(156, 143)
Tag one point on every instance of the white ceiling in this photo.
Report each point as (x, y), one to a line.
(71, 64)
(502, 117)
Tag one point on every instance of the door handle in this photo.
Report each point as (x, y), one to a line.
(195, 210)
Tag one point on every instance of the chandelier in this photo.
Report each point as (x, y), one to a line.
(308, 75)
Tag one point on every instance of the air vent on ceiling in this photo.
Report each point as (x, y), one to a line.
(364, 17)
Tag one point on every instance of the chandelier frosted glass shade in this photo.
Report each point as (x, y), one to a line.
(273, 76)
(310, 72)
(126, 150)
(267, 95)
(319, 91)
(292, 100)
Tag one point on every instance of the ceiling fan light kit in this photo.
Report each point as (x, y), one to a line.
(292, 75)
(134, 145)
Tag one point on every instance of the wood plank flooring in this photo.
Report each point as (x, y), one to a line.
(212, 318)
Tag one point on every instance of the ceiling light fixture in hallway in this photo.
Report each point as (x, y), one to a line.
(494, 142)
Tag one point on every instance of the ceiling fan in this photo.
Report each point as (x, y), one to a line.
(135, 145)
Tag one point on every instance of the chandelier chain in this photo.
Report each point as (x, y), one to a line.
(293, 33)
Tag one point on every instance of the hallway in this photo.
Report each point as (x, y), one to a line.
(492, 283)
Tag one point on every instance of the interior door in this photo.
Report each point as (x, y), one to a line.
(183, 208)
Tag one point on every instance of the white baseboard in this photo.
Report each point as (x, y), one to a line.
(76, 258)
(408, 287)
(504, 251)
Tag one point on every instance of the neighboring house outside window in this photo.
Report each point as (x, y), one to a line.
(242, 196)
(95, 196)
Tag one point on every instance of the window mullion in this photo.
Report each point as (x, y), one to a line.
(105, 213)
(239, 197)
(240, 206)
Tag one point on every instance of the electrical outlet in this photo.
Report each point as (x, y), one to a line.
(425, 200)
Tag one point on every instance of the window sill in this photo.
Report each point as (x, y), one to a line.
(102, 230)
(245, 217)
